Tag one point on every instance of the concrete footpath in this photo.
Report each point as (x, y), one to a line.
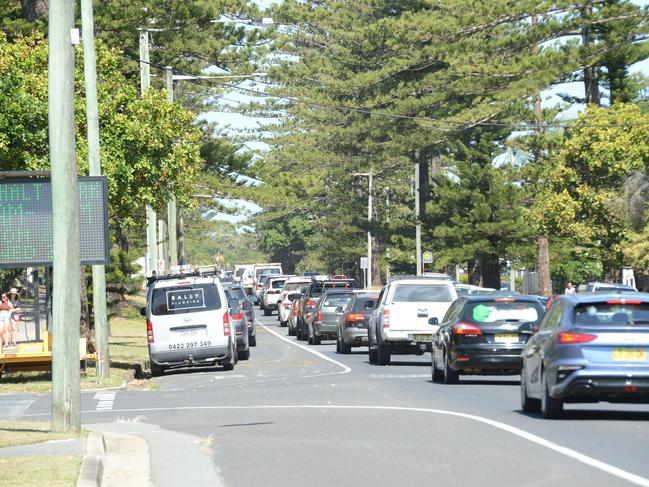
(138, 454)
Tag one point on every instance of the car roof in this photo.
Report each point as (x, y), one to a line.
(581, 298)
(420, 279)
(338, 290)
(170, 282)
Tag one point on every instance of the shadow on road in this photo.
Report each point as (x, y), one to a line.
(593, 415)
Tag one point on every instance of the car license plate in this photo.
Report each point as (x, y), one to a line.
(629, 355)
(422, 338)
(506, 338)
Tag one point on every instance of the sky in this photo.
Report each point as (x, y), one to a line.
(236, 122)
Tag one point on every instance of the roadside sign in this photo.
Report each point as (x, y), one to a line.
(26, 221)
(427, 258)
(364, 263)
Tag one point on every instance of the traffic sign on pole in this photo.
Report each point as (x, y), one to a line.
(427, 257)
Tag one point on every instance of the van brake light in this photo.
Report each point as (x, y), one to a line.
(149, 331)
(226, 324)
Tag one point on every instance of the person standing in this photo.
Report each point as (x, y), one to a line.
(6, 329)
(570, 289)
(14, 299)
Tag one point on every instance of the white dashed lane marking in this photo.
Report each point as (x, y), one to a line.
(105, 400)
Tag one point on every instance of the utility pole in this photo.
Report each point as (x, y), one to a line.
(94, 163)
(145, 82)
(171, 204)
(370, 211)
(417, 216)
(66, 395)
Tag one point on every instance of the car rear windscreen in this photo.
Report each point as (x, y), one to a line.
(613, 289)
(502, 311)
(293, 286)
(238, 292)
(336, 300)
(361, 300)
(277, 284)
(185, 299)
(422, 293)
(613, 313)
(267, 270)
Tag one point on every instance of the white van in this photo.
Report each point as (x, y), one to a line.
(188, 323)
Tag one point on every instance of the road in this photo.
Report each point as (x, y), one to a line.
(298, 414)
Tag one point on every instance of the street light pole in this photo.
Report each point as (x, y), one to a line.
(370, 211)
(145, 81)
(66, 395)
(172, 227)
(417, 217)
(94, 163)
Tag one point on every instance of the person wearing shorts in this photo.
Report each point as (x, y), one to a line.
(15, 315)
(6, 328)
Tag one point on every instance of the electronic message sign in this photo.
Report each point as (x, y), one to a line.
(26, 221)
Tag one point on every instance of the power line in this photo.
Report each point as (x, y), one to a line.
(371, 112)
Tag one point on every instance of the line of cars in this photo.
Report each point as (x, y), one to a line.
(587, 347)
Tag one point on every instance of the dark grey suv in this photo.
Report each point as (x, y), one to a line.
(589, 348)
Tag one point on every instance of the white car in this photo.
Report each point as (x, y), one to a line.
(408, 313)
(260, 270)
(188, 323)
(272, 293)
(291, 286)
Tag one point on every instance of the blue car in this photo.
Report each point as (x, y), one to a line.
(588, 348)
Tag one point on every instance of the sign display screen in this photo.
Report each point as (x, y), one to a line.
(26, 221)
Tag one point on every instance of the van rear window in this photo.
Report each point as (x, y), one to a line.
(185, 299)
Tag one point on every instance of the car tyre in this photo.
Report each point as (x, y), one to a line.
(450, 376)
(267, 312)
(551, 408)
(252, 340)
(244, 354)
(283, 324)
(436, 374)
(528, 404)
(316, 340)
(157, 370)
(382, 354)
(342, 347)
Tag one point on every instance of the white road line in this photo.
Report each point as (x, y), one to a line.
(105, 400)
(346, 370)
(568, 452)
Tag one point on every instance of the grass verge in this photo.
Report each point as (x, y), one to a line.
(39, 471)
(128, 346)
(16, 433)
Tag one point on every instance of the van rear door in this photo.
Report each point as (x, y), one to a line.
(187, 315)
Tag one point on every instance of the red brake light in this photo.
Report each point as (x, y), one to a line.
(386, 319)
(258, 286)
(504, 300)
(319, 316)
(149, 331)
(238, 316)
(226, 324)
(311, 303)
(184, 282)
(565, 337)
(354, 317)
(624, 301)
(462, 328)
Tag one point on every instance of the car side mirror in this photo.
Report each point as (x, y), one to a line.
(433, 321)
(142, 311)
(247, 305)
(529, 328)
(233, 303)
(369, 304)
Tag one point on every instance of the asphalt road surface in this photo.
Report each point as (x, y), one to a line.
(296, 414)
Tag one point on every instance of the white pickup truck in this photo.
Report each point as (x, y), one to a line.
(408, 312)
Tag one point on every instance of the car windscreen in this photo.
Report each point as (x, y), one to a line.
(503, 311)
(361, 300)
(238, 292)
(267, 270)
(277, 284)
(336, 300)
(614, 312)
(185, 299)
(293, 286)
(422, 293)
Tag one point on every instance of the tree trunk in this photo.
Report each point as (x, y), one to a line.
(490, 270)
(84, 325)
(34, 9)
(475, 276)
(591, 74)
(377, 278)
(545, 286)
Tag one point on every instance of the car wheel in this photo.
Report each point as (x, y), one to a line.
(252, 340)
(229, 363)
(528, 404)
(551, 408)
(316, 340)
(290, 332)
(437, 375)
(157, 370)
(282, 324)
(344, 348)
(267, 312)
(382, 354)
(450, 376)
(244, 354)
